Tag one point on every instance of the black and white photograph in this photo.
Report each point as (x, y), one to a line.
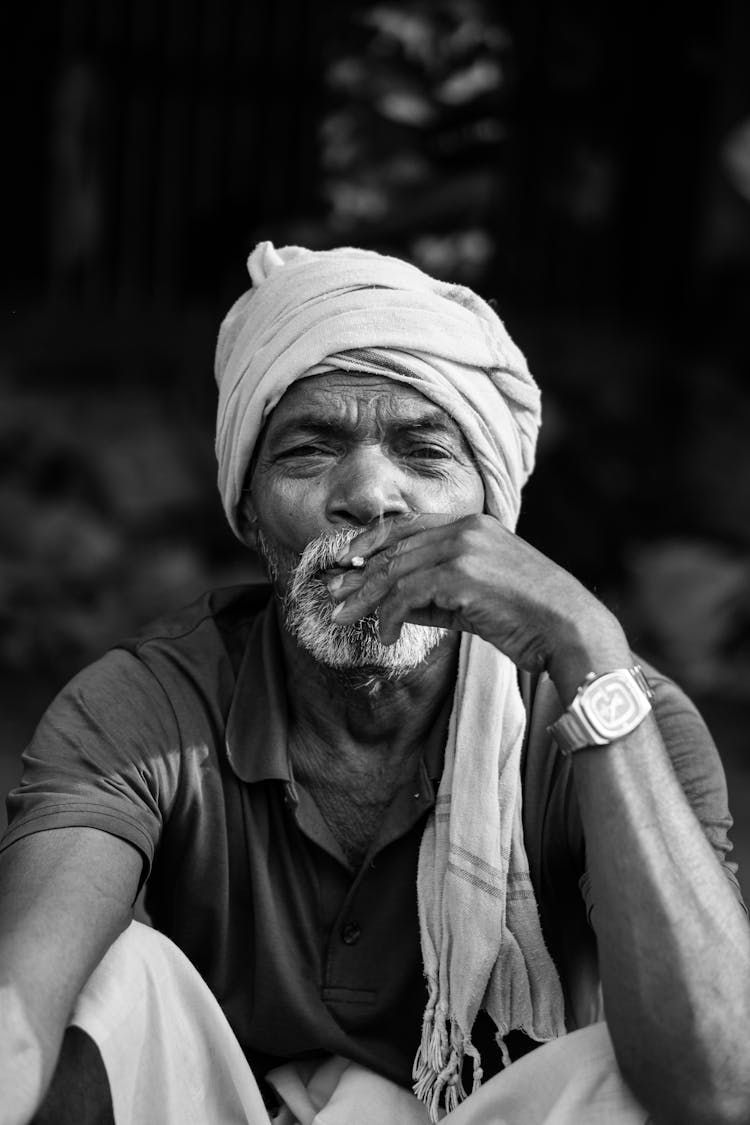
(375, 563)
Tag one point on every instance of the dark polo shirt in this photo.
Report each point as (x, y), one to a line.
(177, 742)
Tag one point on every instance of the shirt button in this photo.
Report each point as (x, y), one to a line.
(351, 933)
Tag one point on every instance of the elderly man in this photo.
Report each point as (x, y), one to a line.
(417, 814)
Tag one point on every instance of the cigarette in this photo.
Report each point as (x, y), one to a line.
(357, 561)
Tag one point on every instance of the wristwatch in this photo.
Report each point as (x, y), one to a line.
(605, 708)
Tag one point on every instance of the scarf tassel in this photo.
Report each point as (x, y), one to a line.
(500, 1040)
(439, 1063)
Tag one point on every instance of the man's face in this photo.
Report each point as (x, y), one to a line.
(338, 452)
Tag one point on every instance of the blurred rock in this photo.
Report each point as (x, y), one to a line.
(714, 470)
(688, 607)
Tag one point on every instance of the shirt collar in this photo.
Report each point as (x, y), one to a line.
(256, 731)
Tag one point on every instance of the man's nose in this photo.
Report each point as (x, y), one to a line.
(365, 486)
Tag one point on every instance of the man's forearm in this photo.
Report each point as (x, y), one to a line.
(674, 944)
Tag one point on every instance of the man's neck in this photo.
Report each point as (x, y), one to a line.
(356, 738)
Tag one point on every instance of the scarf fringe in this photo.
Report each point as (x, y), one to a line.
(438, 1064)
(500, 1040)
(439, 1061)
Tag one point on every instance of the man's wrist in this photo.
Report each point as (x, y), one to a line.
(590, 646)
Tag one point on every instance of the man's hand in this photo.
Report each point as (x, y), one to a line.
(474, 575)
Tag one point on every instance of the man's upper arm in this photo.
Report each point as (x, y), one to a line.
(105, 755)
(550, 802)
(65, 895)
(698, 768)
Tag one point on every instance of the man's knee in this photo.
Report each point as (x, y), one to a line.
(79, 1093)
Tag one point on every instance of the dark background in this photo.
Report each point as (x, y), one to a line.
(586, 164)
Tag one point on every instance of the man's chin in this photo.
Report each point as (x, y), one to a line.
(357, 649)
(371, 669)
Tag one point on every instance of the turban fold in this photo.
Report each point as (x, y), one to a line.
(312, 311)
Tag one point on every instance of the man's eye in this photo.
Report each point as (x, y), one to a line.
(428, 452)
(307, 451)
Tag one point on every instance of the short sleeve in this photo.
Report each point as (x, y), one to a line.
(105, 755)
(699, 770)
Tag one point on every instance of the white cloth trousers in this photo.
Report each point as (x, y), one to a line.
(172, 1059)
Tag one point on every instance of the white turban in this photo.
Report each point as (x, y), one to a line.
(311, 311)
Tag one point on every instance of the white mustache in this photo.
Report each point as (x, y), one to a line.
(320, 553)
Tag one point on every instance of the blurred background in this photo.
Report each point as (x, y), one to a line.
(587, 165)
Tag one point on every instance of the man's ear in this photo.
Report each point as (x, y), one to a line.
(247, 521)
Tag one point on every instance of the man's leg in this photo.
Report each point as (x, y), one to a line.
(149, 1042)
(573, 1080)
(79, 1093)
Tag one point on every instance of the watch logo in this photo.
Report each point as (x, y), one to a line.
(613, 706)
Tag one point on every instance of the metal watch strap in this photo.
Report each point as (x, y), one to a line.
(574, 731)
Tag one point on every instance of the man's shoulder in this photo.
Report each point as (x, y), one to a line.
(183, 663)
(219, 620)
(194, 653)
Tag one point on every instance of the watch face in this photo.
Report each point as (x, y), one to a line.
(614, 705)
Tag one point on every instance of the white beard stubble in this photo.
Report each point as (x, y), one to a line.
(307, 608)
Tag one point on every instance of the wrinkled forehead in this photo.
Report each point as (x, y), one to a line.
(353, 400)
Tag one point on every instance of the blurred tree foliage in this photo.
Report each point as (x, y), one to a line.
(413, 132)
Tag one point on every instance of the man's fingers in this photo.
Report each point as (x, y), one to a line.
(389, 530)
(430, 615)
(420, 599)
(364, 590)
(424, 597)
